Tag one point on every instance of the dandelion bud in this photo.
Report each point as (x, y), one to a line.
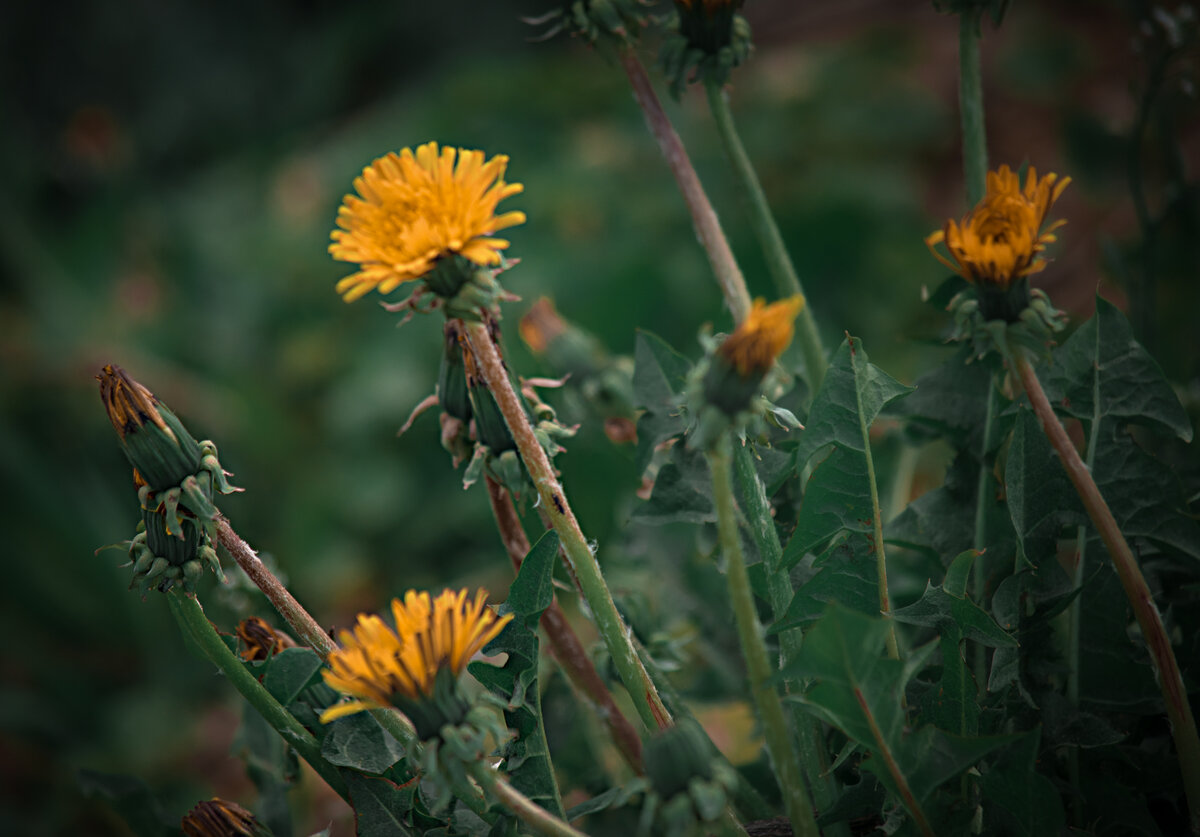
(452, 379)
(221, 818)
(744, 358)
(706, 39)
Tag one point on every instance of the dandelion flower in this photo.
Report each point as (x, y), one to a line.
(381, 666)
(413, 209)
(1001, 239)
(755, 345)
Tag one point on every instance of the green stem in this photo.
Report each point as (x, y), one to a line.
(758, 667)
(190, 616)
(970, 105)
(704, 218)
(779, 591)
(983, 499)
(528, 811)
(779, 263)
(885, 604)
(583, 563)
(1179, 711)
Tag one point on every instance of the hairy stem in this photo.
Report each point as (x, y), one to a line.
(758, 667)
(970, 105)
(779, 263)
(564, 642)
(582, 561)
(192, 621)
(1179, 711)
(704, 218)
(528, 811)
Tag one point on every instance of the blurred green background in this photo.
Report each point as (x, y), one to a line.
(170, 177)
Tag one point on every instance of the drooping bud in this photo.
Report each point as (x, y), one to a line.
(222, 818)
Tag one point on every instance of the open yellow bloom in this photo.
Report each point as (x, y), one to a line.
(755, 345)
(998, 241)
(382, 667)
(415, 208)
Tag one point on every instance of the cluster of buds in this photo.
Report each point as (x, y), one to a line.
(691, 783)
(705, 40)
(726, 388)
(176, 477)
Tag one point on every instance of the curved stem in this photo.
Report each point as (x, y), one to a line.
(302, 622)
(970, 105)
(192, 621)
(1179, 711)
(582, 562)
(983, 498)
(770, 707)
(779, 263)
(528, 811)
(564, 642)
(704, 218)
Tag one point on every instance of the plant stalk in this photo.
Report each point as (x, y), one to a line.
(704, 217)
(582, 561)
(564, 642)
(302, 622)
(192, 621)
(779, 263)
(970, 105)
(1179, 711)
(528, 811)
(758, 667)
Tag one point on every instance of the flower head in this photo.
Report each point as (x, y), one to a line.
(259, 640)
(999, 241)
(413, 209)
(755, 345)
(381, 666)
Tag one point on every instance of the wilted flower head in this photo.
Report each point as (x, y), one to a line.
(408, 666)
(221, 818)
(758, 342)
(413, 209)
(260, 640)
(999, 241)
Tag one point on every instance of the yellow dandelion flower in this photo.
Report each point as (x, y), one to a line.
(380, 666)
(999, 241)
(755, 345)
(413, 209)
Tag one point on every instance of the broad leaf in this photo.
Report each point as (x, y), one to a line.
(289, 672)
(1101, 370)
(838, 499)
(950, 401)
(947, 609)
(379, 805)
(1025, 801)
(359, 742)
(845, 573)
(851, 396)
(659, 379)
(271, 765)
(533, 589)
(682, 491)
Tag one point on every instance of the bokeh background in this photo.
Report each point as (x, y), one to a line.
(169, 174)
